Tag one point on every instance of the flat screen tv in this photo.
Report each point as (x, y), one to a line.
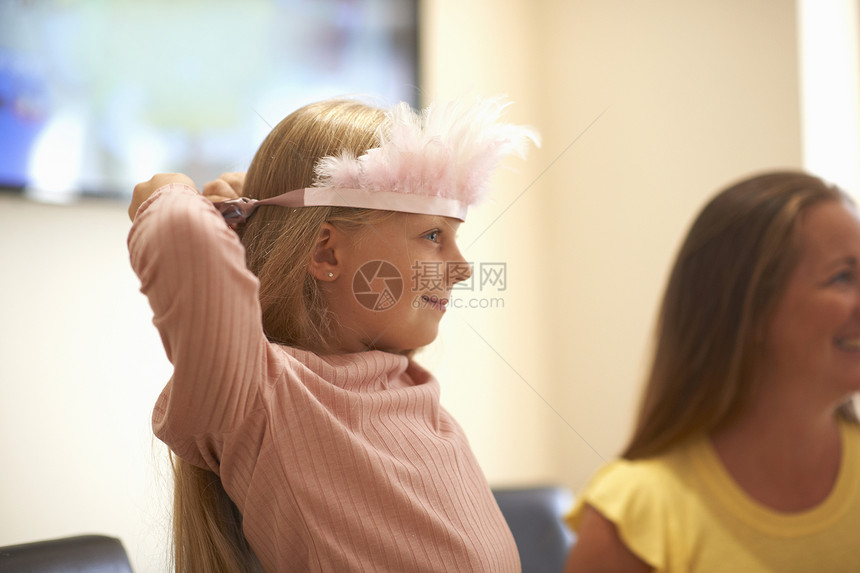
(96, 95)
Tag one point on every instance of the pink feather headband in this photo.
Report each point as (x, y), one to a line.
(436, 162)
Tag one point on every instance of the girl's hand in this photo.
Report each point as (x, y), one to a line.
(142, 191)
(227, 186)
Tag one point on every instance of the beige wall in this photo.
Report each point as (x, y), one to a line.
(492, 362)
(691, 96)
(79, 372)
(698, 94)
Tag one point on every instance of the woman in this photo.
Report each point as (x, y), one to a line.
(746, 453)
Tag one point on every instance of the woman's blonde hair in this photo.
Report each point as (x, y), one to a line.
(730, 273)
(279, 242)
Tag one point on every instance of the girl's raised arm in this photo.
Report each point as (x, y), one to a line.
(206, 308)
(142, 191)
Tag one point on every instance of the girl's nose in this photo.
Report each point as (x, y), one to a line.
(458, 269)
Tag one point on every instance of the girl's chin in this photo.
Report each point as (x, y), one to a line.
(415, 345)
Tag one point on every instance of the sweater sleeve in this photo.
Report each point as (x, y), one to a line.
(206, 308)
(631, 496)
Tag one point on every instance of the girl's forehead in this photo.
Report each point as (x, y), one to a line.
(420, 220)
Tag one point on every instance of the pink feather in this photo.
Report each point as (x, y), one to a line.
(447, 151)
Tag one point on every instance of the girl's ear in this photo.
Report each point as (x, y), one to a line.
(325, 263)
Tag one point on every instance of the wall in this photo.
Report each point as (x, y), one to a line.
(710, 96)
(82, 366)
(645, 109)
(829, 62)
(492, 362)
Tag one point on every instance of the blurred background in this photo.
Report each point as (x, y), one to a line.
(646, 110)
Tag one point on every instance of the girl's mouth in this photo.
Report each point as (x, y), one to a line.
(435, 302)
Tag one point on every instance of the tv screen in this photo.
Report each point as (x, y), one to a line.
(96, 96)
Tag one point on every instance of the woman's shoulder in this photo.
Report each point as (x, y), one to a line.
(653, 473)
(644, 500)
(650, 474)
(851, 431)
(630, 489)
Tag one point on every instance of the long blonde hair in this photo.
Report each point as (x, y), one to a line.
(731, 271)
(207, 526)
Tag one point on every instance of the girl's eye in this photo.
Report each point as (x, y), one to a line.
(432, 236)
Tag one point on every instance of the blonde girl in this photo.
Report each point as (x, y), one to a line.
(289, 300)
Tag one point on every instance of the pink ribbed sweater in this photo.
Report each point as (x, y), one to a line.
(337, 463)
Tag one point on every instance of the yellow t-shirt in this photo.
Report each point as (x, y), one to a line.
(683, 512)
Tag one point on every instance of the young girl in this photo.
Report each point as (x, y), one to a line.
(746, 454)
(304, 436)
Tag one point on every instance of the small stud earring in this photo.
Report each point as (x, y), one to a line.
(331, 275)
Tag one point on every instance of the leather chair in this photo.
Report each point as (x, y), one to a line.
(80, 554)
(535, 516)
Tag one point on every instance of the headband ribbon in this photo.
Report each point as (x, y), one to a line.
(237, 211)
(434, 162)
